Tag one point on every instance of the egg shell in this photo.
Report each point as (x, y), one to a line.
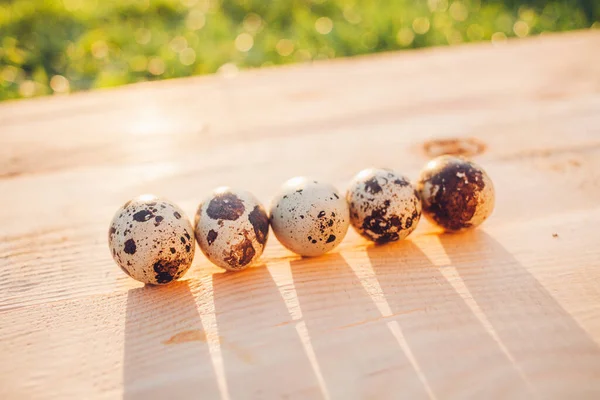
(384, 205)
(308, 217)
(457, 194)
(232, 228)
(150, 238)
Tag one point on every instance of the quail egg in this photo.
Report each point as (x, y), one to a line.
(456, 193)
(308, 217)
(150, 238)
(232, 228)
(384, 206)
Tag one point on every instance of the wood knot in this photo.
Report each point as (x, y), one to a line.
(467, 147)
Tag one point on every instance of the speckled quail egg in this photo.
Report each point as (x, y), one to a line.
(308, 217)
(150, 238)
(456, 193)
(232, 228)
(384, 206)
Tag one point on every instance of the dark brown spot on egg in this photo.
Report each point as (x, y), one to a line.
(157, 220)
(241, 254)
(321, 214)
(260, 222)
(166, 270)
(387, 238)
(372, 186)
(130, 246)
(182, 240)
(456, 187)
(331, 238)
(172, 250)
(211, 237)
(380, 227)
(111, 232)
(177, 215)
(142, 216)
(225, 206)
(401, 182)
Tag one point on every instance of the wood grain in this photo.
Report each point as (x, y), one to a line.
(511, 310)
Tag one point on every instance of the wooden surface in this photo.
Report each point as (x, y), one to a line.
(511, 310)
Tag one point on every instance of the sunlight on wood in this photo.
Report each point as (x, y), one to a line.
(361, 265)
(453, 277)
(209, 323)
(282, 276)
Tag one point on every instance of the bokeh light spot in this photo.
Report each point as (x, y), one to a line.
(156, 66)
(458, 11)
(499, 38)
(244, 42)
(453, 36)
(351, 15)
(59, 84)
(187, 56)
(437, 5)
(99, 49)
(252, 23)
(143, 36)
(285, 47)
(178, 44)
(195, 20)
(405, 37)
(9, 73)
(228, 70)
(521, 29)
(324, 25)
(526, 14)
(27, 88)
(421, 25)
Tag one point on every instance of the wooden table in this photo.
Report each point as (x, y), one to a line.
(511, 310)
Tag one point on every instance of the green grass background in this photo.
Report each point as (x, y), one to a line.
(58, 46)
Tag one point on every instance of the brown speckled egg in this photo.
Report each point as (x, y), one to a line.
(308, 217)
(384, 206)
(456, 193)
(150, 238)
(232, 228)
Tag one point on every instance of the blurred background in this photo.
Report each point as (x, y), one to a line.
(61, 46)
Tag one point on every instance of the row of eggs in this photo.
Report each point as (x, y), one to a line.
(152, 240)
